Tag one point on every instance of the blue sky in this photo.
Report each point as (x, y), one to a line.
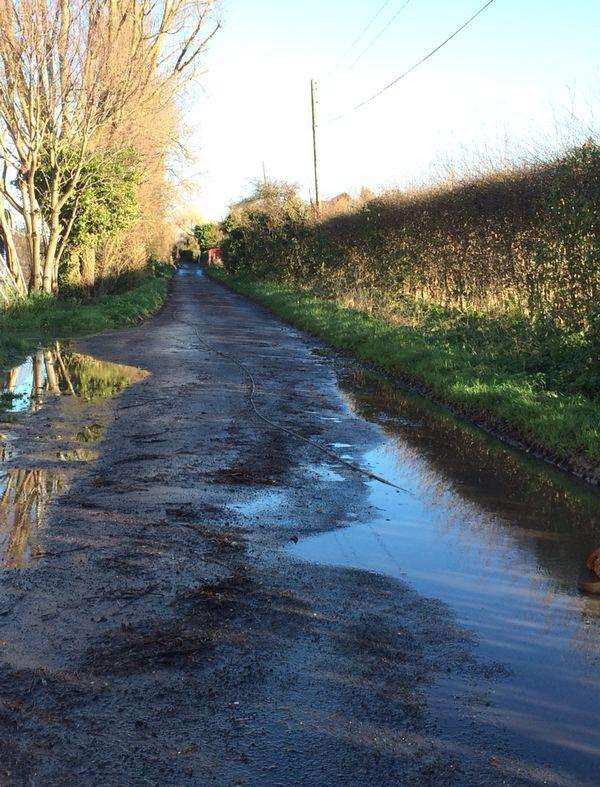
(514, 76)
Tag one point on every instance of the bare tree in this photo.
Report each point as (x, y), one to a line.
(72, 74)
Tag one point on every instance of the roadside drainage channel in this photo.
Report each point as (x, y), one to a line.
(502, 540)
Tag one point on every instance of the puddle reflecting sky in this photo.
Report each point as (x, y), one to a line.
(260, 505)
(500, 539)
(59, 371)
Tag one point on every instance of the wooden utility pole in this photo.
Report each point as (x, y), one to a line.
(313, 105)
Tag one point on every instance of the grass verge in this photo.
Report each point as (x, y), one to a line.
(40, 319)
(483, 375)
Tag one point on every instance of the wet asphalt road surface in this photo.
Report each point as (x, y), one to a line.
(166, 637)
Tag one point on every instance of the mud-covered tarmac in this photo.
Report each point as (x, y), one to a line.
(163, 634)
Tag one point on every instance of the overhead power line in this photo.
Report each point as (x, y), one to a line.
(362, 33)
(376, 38)
(420, 62)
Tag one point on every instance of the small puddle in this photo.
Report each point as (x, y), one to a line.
(90, 434)
(7, 449)
(78, 455)
(193, 269)
(24, 498)
(502, 540)
(324, 472)
(60, 371)
(262, 504)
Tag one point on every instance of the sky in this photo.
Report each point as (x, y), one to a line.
(520, 78)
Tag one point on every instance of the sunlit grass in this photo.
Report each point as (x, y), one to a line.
(40, 319)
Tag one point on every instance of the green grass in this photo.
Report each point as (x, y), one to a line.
(530, 379)
(40, 319)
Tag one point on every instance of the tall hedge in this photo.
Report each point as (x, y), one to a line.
(527, 240)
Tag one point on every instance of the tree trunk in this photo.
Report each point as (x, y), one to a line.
(38, 360)
(87, 258)
(34, 244)
(12, 257)
(50, 277)
(33, 225)
(51, 375)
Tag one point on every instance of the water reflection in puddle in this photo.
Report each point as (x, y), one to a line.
(262, 504)
(187, 269)
(24, 497)
(78, 455)
(59, 371)
(7, 450)
(25, 492)
(500, 539)
(324, 472)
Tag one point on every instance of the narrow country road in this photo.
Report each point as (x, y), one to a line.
(170, 634)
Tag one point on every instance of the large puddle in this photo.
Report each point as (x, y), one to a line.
(26, 490)
(502, 540)
(60, 371)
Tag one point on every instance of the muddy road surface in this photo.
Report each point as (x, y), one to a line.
(192, 595)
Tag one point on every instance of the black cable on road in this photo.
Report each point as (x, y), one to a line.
(314, 443)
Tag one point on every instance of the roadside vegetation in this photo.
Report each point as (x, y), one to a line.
(90, 134)
(484, 293)
(40, 318)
